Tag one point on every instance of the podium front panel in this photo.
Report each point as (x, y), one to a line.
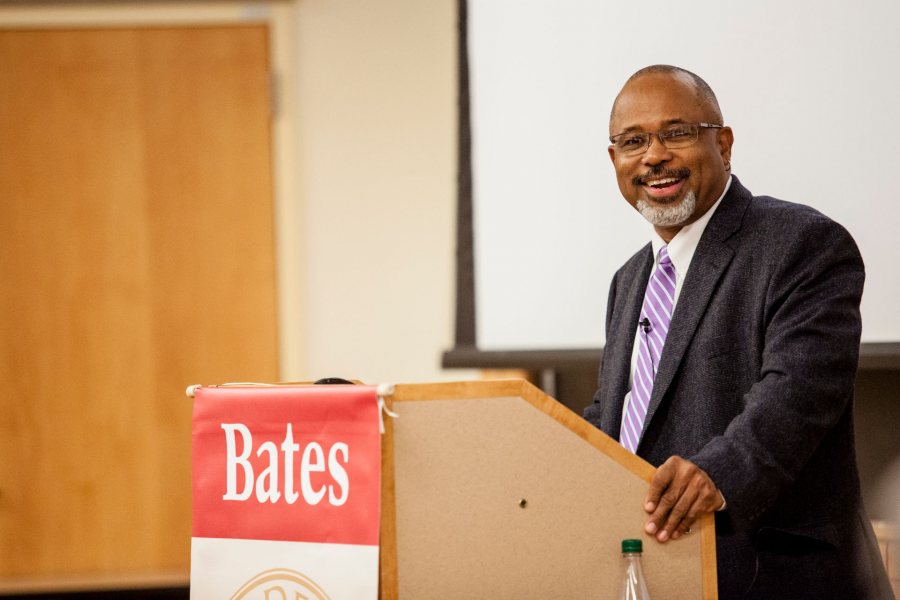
(501, 492)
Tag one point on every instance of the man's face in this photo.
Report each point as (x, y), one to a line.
(670, 187)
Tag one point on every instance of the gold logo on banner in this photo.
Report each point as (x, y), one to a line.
(280, 584)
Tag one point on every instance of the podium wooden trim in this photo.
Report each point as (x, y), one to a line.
(631, 466)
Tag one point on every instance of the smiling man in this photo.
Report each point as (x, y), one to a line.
(732, 348)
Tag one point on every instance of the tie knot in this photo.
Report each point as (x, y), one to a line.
(664, 256)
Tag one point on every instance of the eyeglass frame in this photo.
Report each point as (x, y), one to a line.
(662, 141)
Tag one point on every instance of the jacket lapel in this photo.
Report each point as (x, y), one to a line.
(631, 286)
(710, 260)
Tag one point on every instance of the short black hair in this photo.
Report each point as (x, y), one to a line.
(705, 94)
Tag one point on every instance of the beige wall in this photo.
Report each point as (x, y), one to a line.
(377, 179)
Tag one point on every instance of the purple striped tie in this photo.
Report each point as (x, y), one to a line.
(659, 299)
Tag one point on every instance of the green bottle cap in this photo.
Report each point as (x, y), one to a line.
(632, 546)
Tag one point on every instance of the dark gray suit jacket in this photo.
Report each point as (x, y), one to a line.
(755, 385)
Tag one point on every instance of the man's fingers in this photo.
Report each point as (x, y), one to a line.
(682, 510)
(678, 514)
(664, 507)
(679, 493)
(660, 483)
(703, 498)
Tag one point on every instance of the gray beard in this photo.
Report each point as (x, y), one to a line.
(669, 216)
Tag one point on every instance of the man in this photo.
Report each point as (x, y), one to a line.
(732, 347)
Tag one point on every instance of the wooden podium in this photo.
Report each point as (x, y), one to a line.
(492, 489)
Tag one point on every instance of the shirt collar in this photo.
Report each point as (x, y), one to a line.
(681, 248)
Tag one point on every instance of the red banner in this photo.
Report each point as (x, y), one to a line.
(298, 464)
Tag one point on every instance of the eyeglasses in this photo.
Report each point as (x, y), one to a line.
(679, 135)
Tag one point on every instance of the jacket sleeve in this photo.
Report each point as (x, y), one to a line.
(810, 353)
(593, 413)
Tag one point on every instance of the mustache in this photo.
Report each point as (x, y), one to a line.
(658, 172)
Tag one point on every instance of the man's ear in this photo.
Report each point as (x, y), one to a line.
(725, 139)
(612, 153)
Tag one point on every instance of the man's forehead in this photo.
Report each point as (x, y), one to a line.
(662, 78)
(658, 98)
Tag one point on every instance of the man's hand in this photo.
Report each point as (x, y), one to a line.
(680, 491)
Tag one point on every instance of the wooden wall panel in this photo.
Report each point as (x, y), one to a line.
(136, 257)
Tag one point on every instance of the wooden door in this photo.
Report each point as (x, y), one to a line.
(136, 257)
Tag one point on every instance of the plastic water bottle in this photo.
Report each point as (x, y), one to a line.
(633, 585)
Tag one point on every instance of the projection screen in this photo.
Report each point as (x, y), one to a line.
(810, 89)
